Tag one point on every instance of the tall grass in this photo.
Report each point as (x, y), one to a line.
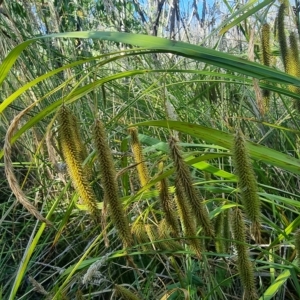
(154, 88)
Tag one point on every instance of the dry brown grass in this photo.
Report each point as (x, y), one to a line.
(9, 169)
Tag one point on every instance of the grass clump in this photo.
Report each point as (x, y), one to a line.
(173, 231)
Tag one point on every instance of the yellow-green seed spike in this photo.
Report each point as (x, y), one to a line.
(219, 231)
(79, 295)
(110, 187)
(79, 145)
(226, 230)
(290, 56)
(266, 60)
(247, 183)
(275, 33)
(138, 157)
(186, 217)
(164, 234)
(157, 237)
(125, 293)
(138, 230)
(245, 267)
(74, 162)
(192, 194)
(295, 52)
(297, 244)
(168, 206)
(266, 94)
(293, 66)
(281, 34)
(152, 233)
(265, 42)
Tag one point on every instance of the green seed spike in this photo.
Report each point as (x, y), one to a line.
(80, 146)
(265, 42)
(281, 34)
(290, 56)
(125, 293)
(72, 153)
(164, 234)
(247, 183)
(186, 217)
(266, 60)
(275, 29)
(226, 230)
(219, 242)
(192, 194)
(138, 157)
(245, 267)
(295, 52)
(297, 244)
(293, 67)
(108, 177)
(138, 230)
(168, 204)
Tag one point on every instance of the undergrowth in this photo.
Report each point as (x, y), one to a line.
(155, 170)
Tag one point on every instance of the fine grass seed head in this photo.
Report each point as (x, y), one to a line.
(110, 187)
(192, 194)
(138, 157)
(73, 158)
(244, 265)
(247, 183)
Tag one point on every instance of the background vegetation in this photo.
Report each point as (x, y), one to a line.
(199, 110)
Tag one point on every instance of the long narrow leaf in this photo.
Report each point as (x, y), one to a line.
(274, 288)
(245, 13)
(209, 56)
(225, 140)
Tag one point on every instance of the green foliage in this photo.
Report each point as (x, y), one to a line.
(164, 87)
